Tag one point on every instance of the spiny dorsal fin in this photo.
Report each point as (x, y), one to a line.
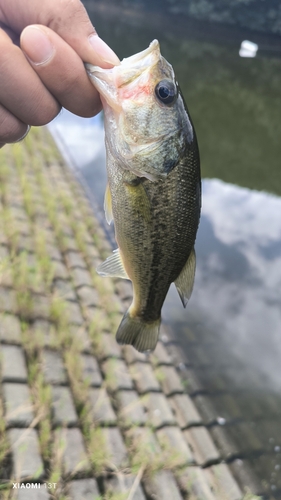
(185, 280)
(113, 266)
(108, 205)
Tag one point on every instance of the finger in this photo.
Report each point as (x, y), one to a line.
(68, 19)
(21, 91)
(11, 129)
(60, 69)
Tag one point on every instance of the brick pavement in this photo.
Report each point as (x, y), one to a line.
(79, 413)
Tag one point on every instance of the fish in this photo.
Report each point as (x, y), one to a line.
(154, 187)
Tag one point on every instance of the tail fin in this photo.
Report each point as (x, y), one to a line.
(142, 336)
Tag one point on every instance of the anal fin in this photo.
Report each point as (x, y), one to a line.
(113, 266)
(185, 280)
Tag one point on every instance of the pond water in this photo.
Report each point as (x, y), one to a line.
(230, 333)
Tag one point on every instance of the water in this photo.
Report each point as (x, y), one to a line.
(231, 331)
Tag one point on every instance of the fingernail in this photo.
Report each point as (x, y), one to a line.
(103, 50)
(36, 45)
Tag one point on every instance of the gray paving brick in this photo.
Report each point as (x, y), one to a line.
(27, 462)
(185, 410)
(10, 330)
(74, 458)
(205, 452)
(194, 484)
(53, 367)
(69, 244)
(158, 410)
(74, 259)
(6, 278)
(206, 408)
(80, 333)
(144, 377)
(73, 313)
(131, 355)
(107, 347)
(161, 356)
(63, 407)
(63, 289)
(88, 296)
(169, 380)
(222, 483)
(13, 364)
(191, 382)
(162, 485)
(8, 301)
(117, 375)
(60, 270)
(124, 483)
(176, 450)
(17, 405)
(243, 471)
(81, 277)
(131, 409)
(115, 448)
(91, 371)
(31, 493)
(227, 447)
(101, 408)
(40, 308)
(83, 489)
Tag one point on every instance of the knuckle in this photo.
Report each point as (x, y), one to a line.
(11, 129)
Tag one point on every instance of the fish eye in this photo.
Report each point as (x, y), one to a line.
(166, 91)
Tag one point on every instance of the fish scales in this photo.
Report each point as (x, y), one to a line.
(154, 194)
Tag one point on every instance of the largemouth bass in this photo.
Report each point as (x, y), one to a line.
(154, 188)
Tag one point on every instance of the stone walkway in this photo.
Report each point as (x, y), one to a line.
(80, 417)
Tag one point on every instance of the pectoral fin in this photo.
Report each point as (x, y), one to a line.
(113, 266)
(185, 280)
(108, 205)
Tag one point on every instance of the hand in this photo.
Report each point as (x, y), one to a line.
(42, 49)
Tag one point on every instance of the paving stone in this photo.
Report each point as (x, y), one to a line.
(143, 445)
(131, 355)
(158, 409)
(160, 356)
(59, 270)
(81, 334)
(222, 483)
(83, 489)
(117, 375)
(227, 407)
(88, 296)
(40, 308)
(73, 313)
(69, 244)
(107, 347)
(53, 367)
(13, 364)
(81, 277)
(91, 371)
(162, 485)
(8, 301)
(6, 278)
(17, 405)
(124, 483)
(63, 289)
(31, 493)
(228, 449)
(206, 408)
(245, 438)
(185, 410)
(131, 409)
(63, 407)
(169, 380)
(175, 449)
(27, 462)
(194, 484)
(10, 330)
(250, 482)
(144, 377)
(115, 448)
(175, 352)
(74, 457)
(124, 289)
(204, 450)
(101, 408)
(191, 382)
(74, 259)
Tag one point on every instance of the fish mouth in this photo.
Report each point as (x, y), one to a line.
(108, 81)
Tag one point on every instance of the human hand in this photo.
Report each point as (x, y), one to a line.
(42, 49)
